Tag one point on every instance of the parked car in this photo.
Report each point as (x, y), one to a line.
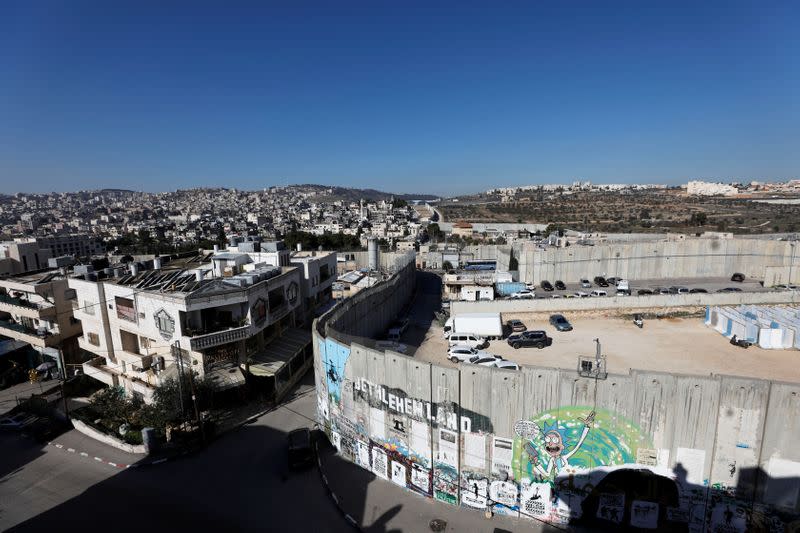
(468, 339)
(524, 294)
(586, 284)
(612, 281)
(598, 292)
(484, 360)
(516, 325)
(560, 285)
(697, 290)
(536, 338)
(300, 449)
(530, 286)
(600, 281)
(737, 276)
(46, 429)
(644, 292)
(678, 290)
(506, 365)
(560, 323)
(581, 294)
(17, 422)
(730, 289)
(459, 354)
(546, 285)
(623, 292)
(663, 290)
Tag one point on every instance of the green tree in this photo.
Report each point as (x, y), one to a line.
(513, 264)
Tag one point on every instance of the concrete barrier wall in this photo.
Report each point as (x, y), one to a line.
(622, 303)
(690, 258)
(550, 445)
(108, 439)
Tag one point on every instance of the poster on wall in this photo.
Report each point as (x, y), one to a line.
(377, 424)
(644, 514)
(448, 449)
(380, 464)
(445, 483)
(322, 408)
(421, 478)
(534, 499)
(475, 450)
(398, 474)
(474, 491)
(420, 439)
(504, 494)
(728, 518)
(336, 440)
(502, 454)
(363, 455)
(611, 506)
(693, 462)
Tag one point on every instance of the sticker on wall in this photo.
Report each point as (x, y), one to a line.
(474, 490)
(644, 514)
(398, 474)
(475, 450)
(502, 455)
(363, 455)
(534, 499)
(611, 506)
(379, 463)
(448, 449)
(421, 478)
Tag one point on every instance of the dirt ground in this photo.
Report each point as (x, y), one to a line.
(677, 345)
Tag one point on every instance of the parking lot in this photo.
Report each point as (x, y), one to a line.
(684, 346)
(708, 284)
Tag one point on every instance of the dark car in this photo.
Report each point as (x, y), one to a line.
(600, 281)
(738, 276)
(530, 338)
(697, 290)
(300, 449)
(560, 285)
(516, 325)
(612, 280)
(730, 289)
(644, 292)
(560, 323)
(46, 429)
(546, 285)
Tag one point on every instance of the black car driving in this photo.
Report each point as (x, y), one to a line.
(530, 338)
(560, 323)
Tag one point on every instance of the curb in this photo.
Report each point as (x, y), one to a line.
(352, 521)
(121, 466)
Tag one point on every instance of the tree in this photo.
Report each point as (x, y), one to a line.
(513, 264)
(447, 265)
(434, 232)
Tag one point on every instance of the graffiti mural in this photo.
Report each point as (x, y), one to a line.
(570, 439)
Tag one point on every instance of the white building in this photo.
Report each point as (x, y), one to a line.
(704, 188)
(224, 315)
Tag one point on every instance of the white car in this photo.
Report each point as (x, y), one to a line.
(459, 354)
(485, 360)
(506, 365)
(524, 294)
(599, 292)
(581, 294)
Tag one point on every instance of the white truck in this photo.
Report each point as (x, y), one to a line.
(487, 325)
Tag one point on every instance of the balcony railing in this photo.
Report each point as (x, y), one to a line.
(209, 340)
(25, 304)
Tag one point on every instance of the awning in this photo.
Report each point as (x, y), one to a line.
(269, 360)
(225, 377)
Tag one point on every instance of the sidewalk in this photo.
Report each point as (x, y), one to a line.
(377, 505)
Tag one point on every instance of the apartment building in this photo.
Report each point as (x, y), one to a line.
(226, 316)
(36, 308)
(22, 255)
(72, 244)
(318, 269)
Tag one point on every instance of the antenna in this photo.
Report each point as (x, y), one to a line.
(589, 367)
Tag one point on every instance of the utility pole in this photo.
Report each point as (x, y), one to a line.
(176, 354)
(196, 409)
(63, 381)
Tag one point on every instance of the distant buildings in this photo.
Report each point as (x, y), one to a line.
(704, 188)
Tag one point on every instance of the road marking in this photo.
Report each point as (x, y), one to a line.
(59, 445)
(98, 459)
(112, 464)
(159, 461)
(71, 450)
(84, 454)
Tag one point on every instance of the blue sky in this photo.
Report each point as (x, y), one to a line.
(432, 97)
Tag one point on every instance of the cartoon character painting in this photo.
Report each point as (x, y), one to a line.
(556, 447)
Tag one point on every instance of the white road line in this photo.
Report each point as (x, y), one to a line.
(84, 454)
(71, 450)
(112, 464)
(59, 445)
(98, 459)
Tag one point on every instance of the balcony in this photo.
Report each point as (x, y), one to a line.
(23, 307)
(209, 340)
(32, 336)
(97, 369)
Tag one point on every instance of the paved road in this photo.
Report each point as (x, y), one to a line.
(240, 483)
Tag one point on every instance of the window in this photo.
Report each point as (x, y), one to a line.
(125, 309)
(93, 339)
(88, 307)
